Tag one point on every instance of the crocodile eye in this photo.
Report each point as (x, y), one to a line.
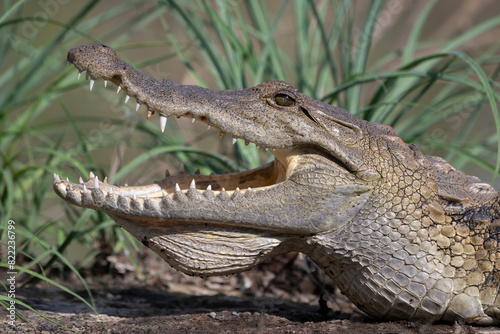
(284, 100)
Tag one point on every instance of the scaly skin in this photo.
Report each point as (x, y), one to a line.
(403, 235)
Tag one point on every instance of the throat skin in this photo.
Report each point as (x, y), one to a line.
(404, 235)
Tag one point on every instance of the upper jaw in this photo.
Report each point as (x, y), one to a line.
(168, 99)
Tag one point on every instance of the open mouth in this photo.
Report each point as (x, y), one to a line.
(231, 184)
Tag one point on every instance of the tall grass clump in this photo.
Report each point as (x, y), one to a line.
(433, 92)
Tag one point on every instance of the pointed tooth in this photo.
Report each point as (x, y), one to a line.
(267, 149)
(87, 75)
(96, 183)
(237, 189)
(177, 188)
(79, 74)
(56, 178)
(84, 189)
(137, 106)
(119, 89)
(80, 179)
(127, 98)
(197, 171)
(105, 179)
(221, 135)
(163, 122)
(249, 189)
(209, 187)
(91, 175)
(135, 197)
(125, 185)
(193, 185)
(209, 126)
(234, 141)
(105, 83)
(149, 114)
(111, 191)
(223, 190)
(167, 173)
(193, 119)
(91, 84)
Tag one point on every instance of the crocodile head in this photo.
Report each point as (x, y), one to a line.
(218, 224)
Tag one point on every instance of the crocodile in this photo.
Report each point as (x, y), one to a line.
(402, 234)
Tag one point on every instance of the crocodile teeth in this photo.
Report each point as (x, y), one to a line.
(234, 141)
(96, 183)
(91, 175)
(137, 106)
(177, 188)
(91, 84)
(209, 126)
(193, 119)
(84, 189)
(57, 179)
(209, 187)
(163, 122)
(193, 185)
(111, 191)
(119, 89)
(127, 98)
(105, 83)
(79, 74)
(80, 180)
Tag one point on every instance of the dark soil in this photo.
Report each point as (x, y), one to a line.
(285, 295)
